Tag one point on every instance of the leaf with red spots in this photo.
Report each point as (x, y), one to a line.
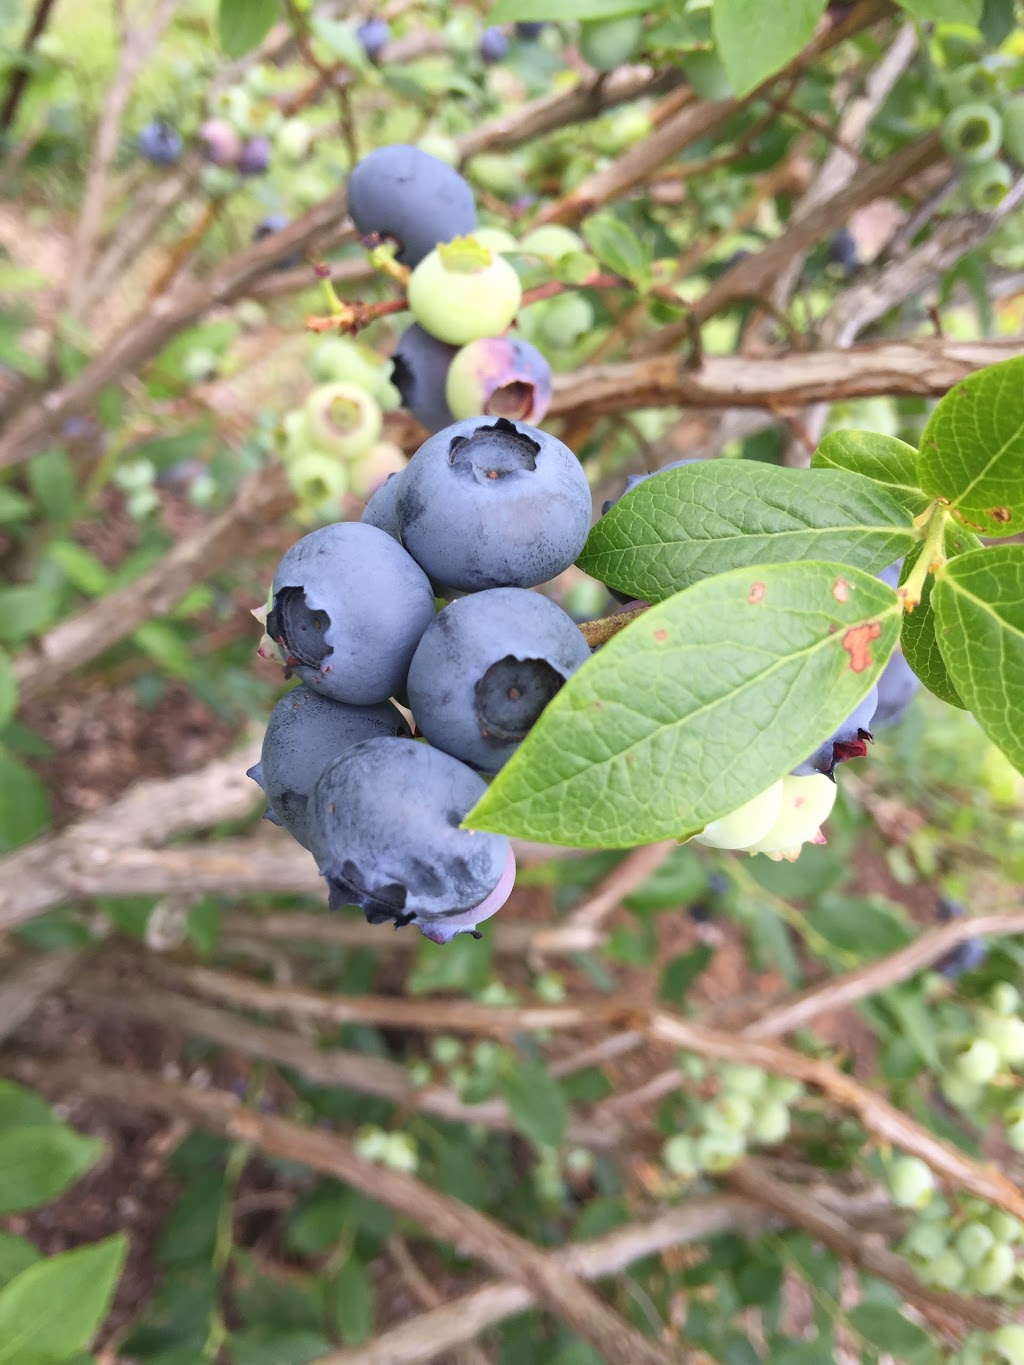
(695, 707)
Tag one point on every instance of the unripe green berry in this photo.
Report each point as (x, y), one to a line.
(1013, 1119)
(911, 1182)
(1013, 130)
(740, 1079)
(993, 1273)
(565, 319)
(947, 1270)
(400, 1153)
(609, 43)
(926, 1240)
(199, 364)
(446, 1051)
(679, 1156)
(964, 1095)
(973, 1242)
(1006, 1035)
(971, 82)
(1005, 998)
(318, 479)
(497, 239)
(462, 291)
(986, 186)
(749, 823)
(771, 1122)
(973, 132)
(293, 139)
(370, 1142)
(976, 1061)
(1005, 1228)
(1008, 1341)
(728, 1111)
(806, 803)
(344, 418)
(716, 1152)
(552, 241)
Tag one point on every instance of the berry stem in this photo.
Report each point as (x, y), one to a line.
(931, 558)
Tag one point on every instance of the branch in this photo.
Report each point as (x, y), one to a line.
(32, 978)
(20, 72)
(926, 368)
(475, 1234)
(262, 499)
(612, 890)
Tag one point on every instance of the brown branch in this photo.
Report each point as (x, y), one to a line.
(891, 368)
(226, 539)
(32, 978)
(612, 890)
(475, 1234)
(428, 1294)
(20, 71)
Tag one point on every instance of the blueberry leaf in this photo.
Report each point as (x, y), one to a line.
(972, 450)
(535, 1102)
(978, 600)
(39, 1163)
(715, 515)
(888, 461)
(944, 11)
(81, 1282)
(617, 247)
(697, 706)
(508, 11)
(755, 40)
(917, 639)
(243, 24)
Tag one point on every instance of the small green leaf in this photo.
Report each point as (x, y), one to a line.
(508, 11)
(978, 601)
(52, 1309)
(694, 708)
(972, 450)
(715, 515)
(755, 40)
(39, 1163)
(26, 609)
(884, 459)
(14, 507)
(165, 646)
(944, 11)
(8, 688)
(24, 804)
(891, 1331)
(997, 22)
(858, 927)
(243, 24)
(917, 638)
(536, 1103)
(51, 476)
(617, 247)
(353, 1299)
(16, 1255)
(82, 569)
(261, 1346)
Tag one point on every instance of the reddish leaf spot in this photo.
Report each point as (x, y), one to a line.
(630, 760)
(756, 593)
(599, 706)
(1000, 514)
(841, 590)
(857, 643)
(661, 635)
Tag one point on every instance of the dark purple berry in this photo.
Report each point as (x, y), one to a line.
(529, 32)
(851, 740)
(843, 250)
(419, 372)
(374, 35)
(160, 142)
(255, 158)
(402, 194)
(493, 45)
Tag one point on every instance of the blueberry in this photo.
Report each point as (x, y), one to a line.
(304, 733)
(529, 32)
(344, 419)
(499, 376)
(160, 142)
(255, 157)
(404, 194)
(973, 132)
(382, 509)
(897, 688)
(383, 822)
(274, 222)
(634, 480)
(966, 956)
(486, 667)
(220, 143)
(419, 373)
(851, 740)
(493, 505)
(891, 574)
(461, 291)
(493, 45)
(843, 250)
(348, 609)
(374, 35)
(986, 185)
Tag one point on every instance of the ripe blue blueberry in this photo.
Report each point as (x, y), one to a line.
(499, 376)
(382, 509)
(304, 733)
(897, 688)
(403, 194)
(274, 222)
(160, 142)
(486, 667)
(348, 609)
(851, 740)
(843, 250)
(493, 44)
(529, 32)
(374, 35)
(255, 157)
(968, 954)
(383, 822)
(419, 371)
(493, 505)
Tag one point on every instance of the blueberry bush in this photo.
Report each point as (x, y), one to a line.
(612, 415)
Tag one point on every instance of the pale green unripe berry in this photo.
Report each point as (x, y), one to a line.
(926, 1240)
(1005, 1228)
(1013, 1118)
(344, 419)
(771, 1122)
(977, 1061)
(911, 1182)
(295, 438)
(747, 825)
(461, 292)
(728, 1112)
(973, 132)
(995, 1272)
(552, 241)
(679, 1156)
(716, 1152)
(1006, 1035)
(964, 1094)
(370, 1142)
(293, 139)
(1008, 1341)
(400, 1153)
(446, 1051)
(318, 479)
(973, 1242)
(805, 803)
(739, 1079)
(947, 1270)
(986, 185)
(565, 319)
(1005, 999)
(1013, 129)
(784, 1088)
(496, 239)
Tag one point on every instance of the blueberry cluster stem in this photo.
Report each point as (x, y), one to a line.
(931, 558)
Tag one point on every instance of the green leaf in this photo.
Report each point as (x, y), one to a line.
(14, 507)
(892, 1332)
(861, 928)
(884, 459)
(26, 609)
(755, 40)
(998, 18)
(917, 637)
(51, 476)
(81, 568)
(972, 450)
(52, 1309)
(944, 11)
(243, 24)
(258, 1346)
(754, 667)
(165, 646)
(21, 1108)
(507, 11)
(617, 247)
(24, 804)
(353, 1298)
(39, 1163)
(16, 1255)
(8, 688)
(978, 601)
(536, 1103)
(707, 518)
